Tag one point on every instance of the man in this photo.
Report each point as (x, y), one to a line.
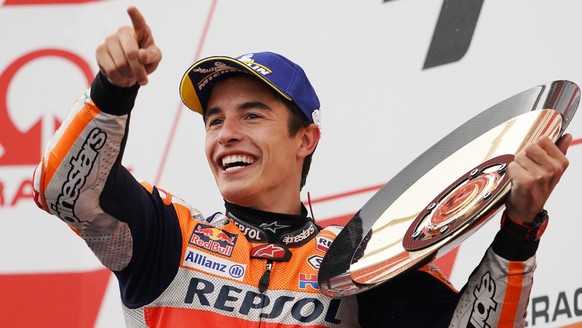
(257, 264)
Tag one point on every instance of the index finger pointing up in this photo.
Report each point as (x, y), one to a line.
(140, 27)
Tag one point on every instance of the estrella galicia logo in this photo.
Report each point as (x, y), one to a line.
(81, 166)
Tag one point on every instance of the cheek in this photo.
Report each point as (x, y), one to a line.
(208, 150)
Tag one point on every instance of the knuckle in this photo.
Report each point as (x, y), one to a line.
(124, 29)
(565, 163)
(131, 54)
(111, 38)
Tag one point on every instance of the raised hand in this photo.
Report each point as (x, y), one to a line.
(534, 173)
(129, 55)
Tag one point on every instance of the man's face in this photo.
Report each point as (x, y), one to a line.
(254, 160)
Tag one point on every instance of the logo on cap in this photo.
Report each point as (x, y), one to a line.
(218, 66)
(250, 62)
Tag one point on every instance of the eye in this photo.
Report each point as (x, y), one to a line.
(210, 122)
(252, 116)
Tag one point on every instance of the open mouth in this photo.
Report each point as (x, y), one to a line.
(231, 162)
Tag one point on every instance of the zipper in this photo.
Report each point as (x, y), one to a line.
(266, 277)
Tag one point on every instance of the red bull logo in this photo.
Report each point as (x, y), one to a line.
(213, 239)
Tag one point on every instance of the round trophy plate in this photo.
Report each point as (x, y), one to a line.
(462, 175)
(458, 204)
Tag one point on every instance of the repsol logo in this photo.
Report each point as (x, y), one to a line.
(251, 233)
(484, 302)
(256, 306)
(81, 166)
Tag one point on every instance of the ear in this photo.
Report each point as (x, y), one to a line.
(309, 139)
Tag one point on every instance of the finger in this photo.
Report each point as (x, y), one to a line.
(142, 30)
(130, 49)
(523, 166)
(105, 63)
(150, 57)
(564, 143)
(117, 52)
(537, 153)
(113, 64)
(552, 156)
(544, 163)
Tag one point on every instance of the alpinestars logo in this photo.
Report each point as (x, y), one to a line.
(299, 238)
(81, 166)
(484, 302)
(273, 226)
(273, 252)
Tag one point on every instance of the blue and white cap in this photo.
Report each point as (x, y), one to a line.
(285, 77)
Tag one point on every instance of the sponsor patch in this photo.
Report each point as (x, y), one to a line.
(484, 301)
(295, 310)
(207, 79)
(273, 252)
(299, 237)
(214, 265)
(308, 280)
(315, 261)
(322, 243)
(252, 234)
(273, 226)
(213, 239)
(81, 166)
(250, 62)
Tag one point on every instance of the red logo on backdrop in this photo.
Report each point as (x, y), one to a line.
(24, 147)
(45, 2)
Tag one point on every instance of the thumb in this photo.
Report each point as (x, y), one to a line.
(150, 57)
(564, 142)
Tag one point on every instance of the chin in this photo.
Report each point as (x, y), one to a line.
(239, 196)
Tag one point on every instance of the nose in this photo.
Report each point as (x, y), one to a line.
(230, 131)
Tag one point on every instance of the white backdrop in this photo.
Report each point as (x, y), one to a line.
(380, 110)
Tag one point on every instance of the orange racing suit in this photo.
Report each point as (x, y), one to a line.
(245, 268)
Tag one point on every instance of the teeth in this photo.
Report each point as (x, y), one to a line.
(232, 161)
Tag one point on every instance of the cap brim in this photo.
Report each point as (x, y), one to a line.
(208, 70)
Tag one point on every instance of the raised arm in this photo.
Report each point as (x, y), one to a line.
(498, 291)
(80, 178)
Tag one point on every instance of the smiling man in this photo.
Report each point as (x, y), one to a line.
(256, 265)
(249, 142)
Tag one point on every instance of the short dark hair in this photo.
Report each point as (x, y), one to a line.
(297, 122)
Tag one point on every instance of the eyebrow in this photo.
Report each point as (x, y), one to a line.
(254, 104)
(243, 106)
